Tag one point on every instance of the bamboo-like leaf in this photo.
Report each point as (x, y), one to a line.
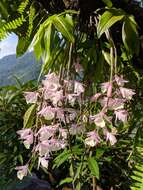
(109, 18)
(66, 180)
(48, 41)
(65, 27)
(38, 49)
(130, 35)
(28, 117)
(22, 46)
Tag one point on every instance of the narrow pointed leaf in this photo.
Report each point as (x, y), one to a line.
(109, 18)
(93, 167)
(65, 27)
(130, 36)
(29, 116)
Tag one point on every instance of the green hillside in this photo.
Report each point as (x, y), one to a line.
(24, 68)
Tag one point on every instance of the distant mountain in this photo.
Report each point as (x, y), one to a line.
(24, 68)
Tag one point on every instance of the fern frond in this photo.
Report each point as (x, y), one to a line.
(137, 177)
(32, 13)
(8, 27)
(23, 6)
(137, 174)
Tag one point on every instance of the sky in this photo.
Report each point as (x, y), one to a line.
(8, 45)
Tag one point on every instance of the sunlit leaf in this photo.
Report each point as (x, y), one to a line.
(63, 25)
(109, 18)
(28, 117)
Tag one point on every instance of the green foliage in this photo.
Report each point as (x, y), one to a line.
(130, 35)
(109, 18)
(29, 116)
(93, 166)
(23, 6)
(137, 177)
(10, 26)
(12, 153)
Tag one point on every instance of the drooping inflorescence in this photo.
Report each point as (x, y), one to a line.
(61, 113)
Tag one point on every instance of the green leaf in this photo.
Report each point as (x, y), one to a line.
(64, 26)
(107, 57)
(61, 158)
(66, 180)
(78, 186)
(93, 167)
(130, 35)
(99, 152)
(109, 18)
(108, 3)
(37, 42)
(48, 36)
(22, 46)
(29, 116)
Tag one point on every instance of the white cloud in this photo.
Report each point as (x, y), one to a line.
(8, 45)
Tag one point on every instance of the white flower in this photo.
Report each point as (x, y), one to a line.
(43, 148)
(127, 93)
(45, 132)
(31, 97)
(76, 129)
(122, 115)
(27, 136)
(43, 162)
(63, 133)
(110, 137)
(22, 171)
(78, 88)
(98, 120)
(92, 139)
(120, 81)
(51, 82)
(48, 112)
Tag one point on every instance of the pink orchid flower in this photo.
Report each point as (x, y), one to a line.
(43, 162)
(127, 93)
(43, 148)
(22, 171)
(76, 129)
(110, 137)
(31, 97)
(78, 88)
(57, 97)
(105, 86)
(121, 115)
(46, 132)
(55, 144)
(112, 104)
(98, 120)
(47, 112)
(63, 133)
(120, 81)
(51, 82)
(95, 97)
(92, 139)
(27, 136)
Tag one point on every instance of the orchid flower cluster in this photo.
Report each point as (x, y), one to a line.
(113, 99)
(60, 115)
